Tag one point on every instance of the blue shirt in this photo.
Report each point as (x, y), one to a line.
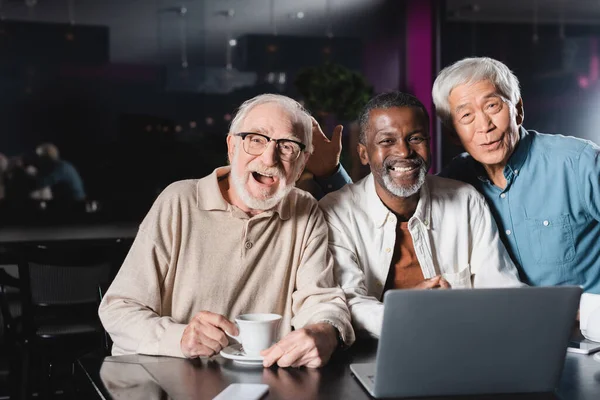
(549, 212)
(65, 182)
(329, 184)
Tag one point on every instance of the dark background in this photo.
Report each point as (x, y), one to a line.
(105, 80)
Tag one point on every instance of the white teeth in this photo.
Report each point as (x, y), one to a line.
(400, 169)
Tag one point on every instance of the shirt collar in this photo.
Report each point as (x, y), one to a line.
(209, 197)
(380, 213)
(519, 155)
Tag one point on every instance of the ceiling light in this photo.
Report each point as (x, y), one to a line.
(232, 42)
(297, 15)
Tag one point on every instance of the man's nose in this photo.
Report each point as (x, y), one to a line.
(483, 122)
(403, 149)
(270, 156)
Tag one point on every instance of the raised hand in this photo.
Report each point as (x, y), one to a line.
(326, 155)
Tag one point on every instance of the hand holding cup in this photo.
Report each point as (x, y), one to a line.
(205, 335)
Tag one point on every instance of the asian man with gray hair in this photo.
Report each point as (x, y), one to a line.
(544, 190)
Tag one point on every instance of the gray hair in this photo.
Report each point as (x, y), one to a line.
(386, 101)
(468, 71)
(297, 113)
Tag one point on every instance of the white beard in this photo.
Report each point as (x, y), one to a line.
(266, 201)
(404, 191)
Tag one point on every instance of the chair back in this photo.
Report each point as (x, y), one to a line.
(60, 281)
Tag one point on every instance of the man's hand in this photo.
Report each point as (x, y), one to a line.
(326, 155)
(311, 346)
(437, 282)
(204, 336)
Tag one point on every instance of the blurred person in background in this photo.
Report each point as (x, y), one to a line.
(56, 175)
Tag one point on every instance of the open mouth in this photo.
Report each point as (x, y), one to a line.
(402, 170)
(264, 179)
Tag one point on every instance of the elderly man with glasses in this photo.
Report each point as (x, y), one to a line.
(241, 240)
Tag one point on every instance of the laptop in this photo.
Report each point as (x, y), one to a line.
(471, 341)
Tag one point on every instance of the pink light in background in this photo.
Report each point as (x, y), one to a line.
(419, 50)
(583, 82)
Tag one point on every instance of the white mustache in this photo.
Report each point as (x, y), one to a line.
(401, 163)
(263, 170)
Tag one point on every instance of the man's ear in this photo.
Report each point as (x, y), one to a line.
(302, 164)
(520, 112)
(230, 147)
(363, 154)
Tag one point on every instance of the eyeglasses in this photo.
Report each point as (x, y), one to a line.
(255, 144)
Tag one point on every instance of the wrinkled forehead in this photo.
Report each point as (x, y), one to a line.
(274, 121)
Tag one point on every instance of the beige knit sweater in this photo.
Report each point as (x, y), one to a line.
(194, 251)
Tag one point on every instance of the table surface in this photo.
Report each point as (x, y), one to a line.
(10, 235)
(146, 377)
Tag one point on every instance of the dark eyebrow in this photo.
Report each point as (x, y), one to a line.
(414, 131)
(418, 130)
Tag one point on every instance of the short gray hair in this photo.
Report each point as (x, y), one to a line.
(298, 114)
(386, 101)
(468, 71)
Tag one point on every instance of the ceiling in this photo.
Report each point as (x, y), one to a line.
(152, 31)
(525, 11)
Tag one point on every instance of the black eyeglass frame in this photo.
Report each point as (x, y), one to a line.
(269, 139)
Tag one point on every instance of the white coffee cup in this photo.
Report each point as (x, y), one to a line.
(257, 331)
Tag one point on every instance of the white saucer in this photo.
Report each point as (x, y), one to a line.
(235, 353)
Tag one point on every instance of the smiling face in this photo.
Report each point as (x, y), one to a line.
(262, 181)
(486, 123)
(397, 149)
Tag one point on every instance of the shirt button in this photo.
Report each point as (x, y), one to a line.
(379, 285)
(425, 223)
(503, 195)
(388, 250)
(329, 186)
(516, 172)
(248, 245)
(546, 223)
(508, 232)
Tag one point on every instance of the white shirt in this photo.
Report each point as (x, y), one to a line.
(453, 233)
